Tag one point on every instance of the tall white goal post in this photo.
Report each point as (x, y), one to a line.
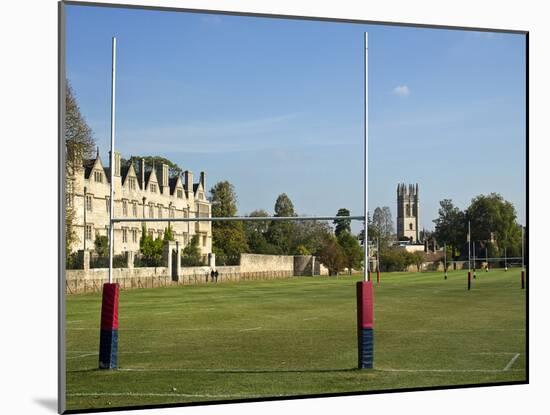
(108, 354)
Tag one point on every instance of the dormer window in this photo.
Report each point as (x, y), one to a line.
(153, 188)
(98, 176)
(132, 183)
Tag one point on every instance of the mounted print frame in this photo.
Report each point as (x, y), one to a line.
(277, 271)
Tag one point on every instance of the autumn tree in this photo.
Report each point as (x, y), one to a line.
(228, 237)
(79, 145)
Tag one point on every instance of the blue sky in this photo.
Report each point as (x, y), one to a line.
(276, 105)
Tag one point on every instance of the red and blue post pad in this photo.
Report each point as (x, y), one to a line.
(365, 324)
(108, 339)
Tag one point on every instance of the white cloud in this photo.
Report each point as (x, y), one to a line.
(402, 90)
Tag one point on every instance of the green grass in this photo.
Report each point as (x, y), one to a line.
(297, 336)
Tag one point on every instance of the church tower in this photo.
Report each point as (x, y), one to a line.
(408, 212)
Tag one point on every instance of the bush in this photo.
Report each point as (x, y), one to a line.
(332, 256)
(395, 259)
(119, 261)
(74, 261)
(191, 254)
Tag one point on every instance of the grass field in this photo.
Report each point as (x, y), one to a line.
(297, 336)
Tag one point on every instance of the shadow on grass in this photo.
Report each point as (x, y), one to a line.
(230, 371)
(48, 403)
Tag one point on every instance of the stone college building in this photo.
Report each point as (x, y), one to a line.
(142, 192)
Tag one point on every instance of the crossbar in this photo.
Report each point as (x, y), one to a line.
(237, 219)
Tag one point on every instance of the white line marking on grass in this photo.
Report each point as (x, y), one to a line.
(446, 370)
(495, 353)
(312, 318)
(511, 362)
(82, 355)
(253, 328)
(86, 354)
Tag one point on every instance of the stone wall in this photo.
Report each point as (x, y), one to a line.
(257, 262)
(252, 267)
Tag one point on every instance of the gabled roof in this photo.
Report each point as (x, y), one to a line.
(125, 172)
(174, 182)
(91, 164)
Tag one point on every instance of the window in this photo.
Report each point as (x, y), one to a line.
(204, 240)
(151, 213)
(134, 208)
(160, 211)
(98, 176)
(89, 203)
(89, 232)
(410, 226)
(132, 183)
(124, 208)
(69, 193)
(151, 233)
(124, 235)
(134, 235)
(107, 203)
(407, 210)
(153, 188)
(179, 193)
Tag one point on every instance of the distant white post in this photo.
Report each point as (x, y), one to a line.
(366, 126)
(505, 261)
(112, 163)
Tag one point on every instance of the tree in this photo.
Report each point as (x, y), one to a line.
(492, 217)
(382, 223)
(342, 225)
(352, 251)
(150, 248)
(228, 237)
(101, 244)
(191, 254)
(79, 140)
(418, 258)
(311, 234)
(332, 256)
(284, 206)
(79, 144)
(450, 226)
(281, 233)
(256, 232)
(173, 169)
(395, 259)
(168, 234)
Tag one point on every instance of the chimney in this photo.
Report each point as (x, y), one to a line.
(164, 179)
(116, 171)
(202, 180)
(142, 172)
(188, 179)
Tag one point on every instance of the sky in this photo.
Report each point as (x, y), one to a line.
(276, 105)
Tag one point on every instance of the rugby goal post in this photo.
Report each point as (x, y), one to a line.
(108, 349)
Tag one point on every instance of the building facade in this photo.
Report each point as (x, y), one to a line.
(408, 212)
(142, 192)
